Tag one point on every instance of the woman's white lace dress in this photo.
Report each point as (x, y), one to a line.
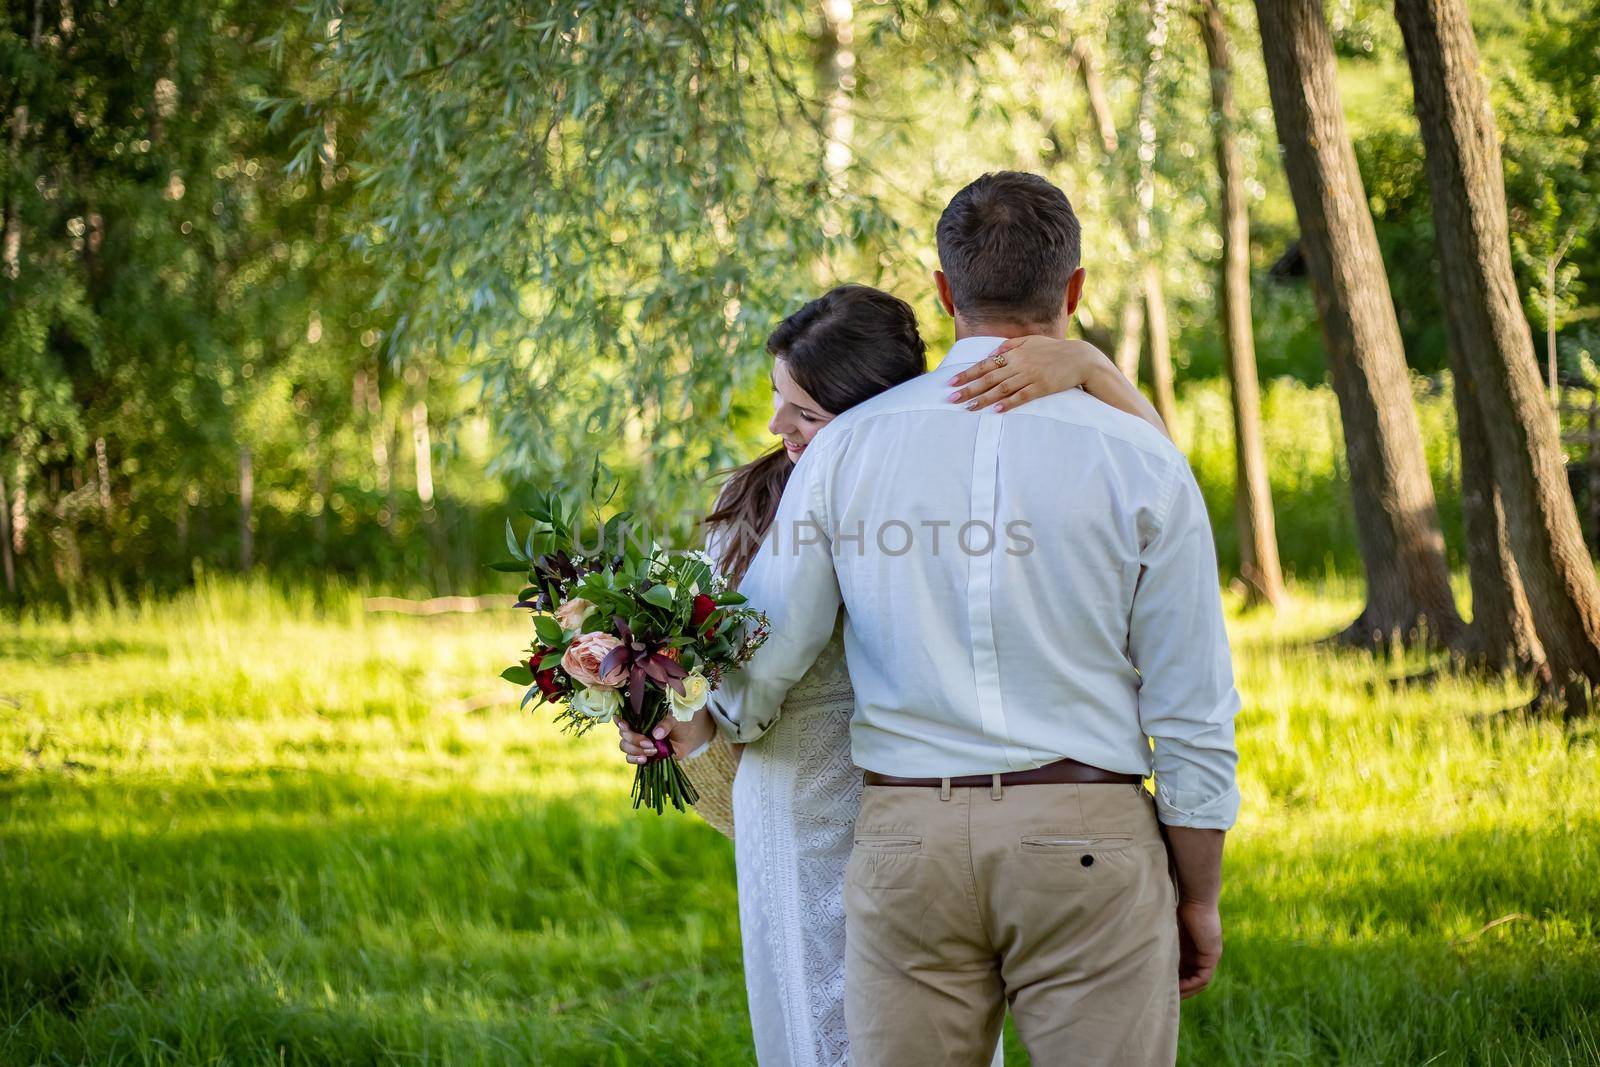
(795, 800)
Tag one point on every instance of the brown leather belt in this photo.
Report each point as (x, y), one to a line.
(1061, 772)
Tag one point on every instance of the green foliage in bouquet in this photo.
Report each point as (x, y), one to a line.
(625, 630)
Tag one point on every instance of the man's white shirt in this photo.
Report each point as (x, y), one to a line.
(1017, 587)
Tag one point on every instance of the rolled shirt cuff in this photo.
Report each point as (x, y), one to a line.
(736, 732)
(1178, 807)
(725, 726)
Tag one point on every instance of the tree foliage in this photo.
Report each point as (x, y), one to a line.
(606, 204)
(276, 237)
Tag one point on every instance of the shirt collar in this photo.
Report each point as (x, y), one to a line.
(969, 350)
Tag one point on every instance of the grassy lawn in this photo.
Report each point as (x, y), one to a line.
(247, 827)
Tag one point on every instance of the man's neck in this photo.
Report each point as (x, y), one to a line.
(965, 329)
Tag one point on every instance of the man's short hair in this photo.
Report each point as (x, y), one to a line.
(1009, 243)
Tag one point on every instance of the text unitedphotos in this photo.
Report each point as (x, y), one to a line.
(897, 537)
(891, 537)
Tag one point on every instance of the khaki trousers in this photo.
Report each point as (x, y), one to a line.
(1058, 900)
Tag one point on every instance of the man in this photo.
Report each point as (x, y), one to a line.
(1031, 599)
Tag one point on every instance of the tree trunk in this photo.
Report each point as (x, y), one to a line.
(1397, 522)
(1258, 539)
(1485, 322)
(247, 497)
(19, 509)
(1140, 303)
(422, 452)
(102, 475)
(1130, 332)
(11, 237)
(1252, 502)
(11, 240)
(1502, 636)
(1155, 318)
(5, 540)
(1551, 262)
(1141, 237)
(837, 75)
(1094, 92)
(836, 81)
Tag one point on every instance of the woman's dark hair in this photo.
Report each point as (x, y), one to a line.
(846, 346)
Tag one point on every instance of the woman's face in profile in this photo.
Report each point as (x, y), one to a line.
(796, 417)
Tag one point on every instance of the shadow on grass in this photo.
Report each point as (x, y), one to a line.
(297, 917)
(332, 919)
(66, 648)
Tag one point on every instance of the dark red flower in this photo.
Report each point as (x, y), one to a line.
(703, 608)
(546, 679)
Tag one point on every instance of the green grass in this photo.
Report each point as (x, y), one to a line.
(245, 827)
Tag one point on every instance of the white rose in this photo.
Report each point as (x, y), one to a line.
(596, 702)
(696, 691)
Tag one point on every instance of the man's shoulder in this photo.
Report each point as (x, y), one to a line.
(1069, 415)
(1078, 412)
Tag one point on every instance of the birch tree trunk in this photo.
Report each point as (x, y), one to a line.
(1155, 302)
(102, 475)
(1130, 311)
(247, 499)
(11, 239)
(838, 76)
(1252, 502)
(1155, 293)
(422, 451)
(1130, 331)
(19, 509)
(1142, 307)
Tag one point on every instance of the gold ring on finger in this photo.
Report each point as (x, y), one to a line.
(999, 359)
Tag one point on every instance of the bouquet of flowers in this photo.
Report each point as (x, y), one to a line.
(625, 632)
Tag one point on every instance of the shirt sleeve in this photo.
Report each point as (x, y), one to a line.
(1179, 645)
(792, 579)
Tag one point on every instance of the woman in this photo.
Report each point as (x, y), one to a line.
(795, 793)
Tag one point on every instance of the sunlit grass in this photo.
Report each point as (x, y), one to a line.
(257, 826)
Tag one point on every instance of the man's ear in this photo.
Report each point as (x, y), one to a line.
(1074, 292)
(942, 283)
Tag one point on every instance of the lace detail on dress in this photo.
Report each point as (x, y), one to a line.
(798, 781)
(827, 796)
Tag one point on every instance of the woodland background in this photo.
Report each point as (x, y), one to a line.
(316, 289)
(298, 302)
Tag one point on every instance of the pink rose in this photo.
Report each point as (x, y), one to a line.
(570, 615)
(583, 657)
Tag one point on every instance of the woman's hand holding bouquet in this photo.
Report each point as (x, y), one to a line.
(627, 633)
